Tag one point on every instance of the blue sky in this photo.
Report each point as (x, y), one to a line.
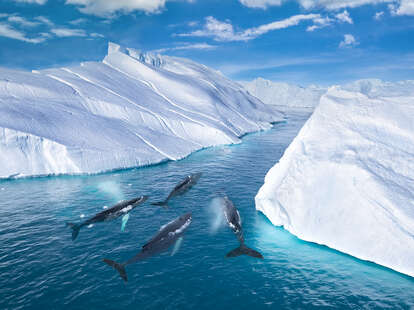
(298, 41)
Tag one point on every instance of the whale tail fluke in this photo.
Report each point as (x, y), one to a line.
(75, 229)
(118, 267)
(163, 204)
(244, 250)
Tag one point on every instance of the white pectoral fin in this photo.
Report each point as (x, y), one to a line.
(125, 219)
(177, 246)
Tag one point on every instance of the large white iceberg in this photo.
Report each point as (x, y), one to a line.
(131, 109)
(285, 96)
(347, 179)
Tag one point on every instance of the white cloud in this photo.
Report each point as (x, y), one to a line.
(44, 20)
(348, 41)
(378, 15)
(193, 23)
(221, 31)
(396, 7)
(224, 31)
(97, 35)
(196, 46)
(105, 8)
(260, 4)
(325, 4)
(9, 32)
(41, 2)
(22, 21)
(68, 32)
(320, 22)
(344, 17)
(338, 4)
(406, 7)
(78, 21)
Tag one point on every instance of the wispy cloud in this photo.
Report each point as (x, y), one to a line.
(404, 7)
(280, 62)
(96, 35)
(344, 17)
(78, 21)
(396, 7)
(107, 8)
(320, 22)
(22, 21)
(339, 4)
(12, 33)
(348, 41)
(378, 15)
(68, 32)
(187, 46)
(44, 20)
(224, 31)
(260, 4)
(40, 2)
(16, 27)
(323, 22)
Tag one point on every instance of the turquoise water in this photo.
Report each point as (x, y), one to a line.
(41, 268)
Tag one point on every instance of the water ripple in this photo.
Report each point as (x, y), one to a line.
(40, 266)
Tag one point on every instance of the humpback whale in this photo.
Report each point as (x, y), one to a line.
(180, 189)
(233, 219)
(166, 237)
(121, 208)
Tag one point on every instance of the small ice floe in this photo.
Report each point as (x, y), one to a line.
(105, 207)
(82, 216)
(129, 184)
(90, 225)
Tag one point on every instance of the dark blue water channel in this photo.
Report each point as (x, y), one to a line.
(41, 268)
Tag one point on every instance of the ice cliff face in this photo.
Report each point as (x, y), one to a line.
(131, 109)
(284, 96)
(347, 179)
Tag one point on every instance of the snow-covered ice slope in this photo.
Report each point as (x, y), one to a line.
(283, 95)
(131, 109)
(347, 179)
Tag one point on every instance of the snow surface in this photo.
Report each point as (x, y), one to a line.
(284, 96)
(347, 179)
(131, 109)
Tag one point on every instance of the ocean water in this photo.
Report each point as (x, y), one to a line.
(41, 268)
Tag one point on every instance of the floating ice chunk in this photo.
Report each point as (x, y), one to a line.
(346, 180)
(132, 109)
(284, 95)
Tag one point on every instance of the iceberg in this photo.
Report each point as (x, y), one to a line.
(347, 180)
(131, 109)
(285, 96)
